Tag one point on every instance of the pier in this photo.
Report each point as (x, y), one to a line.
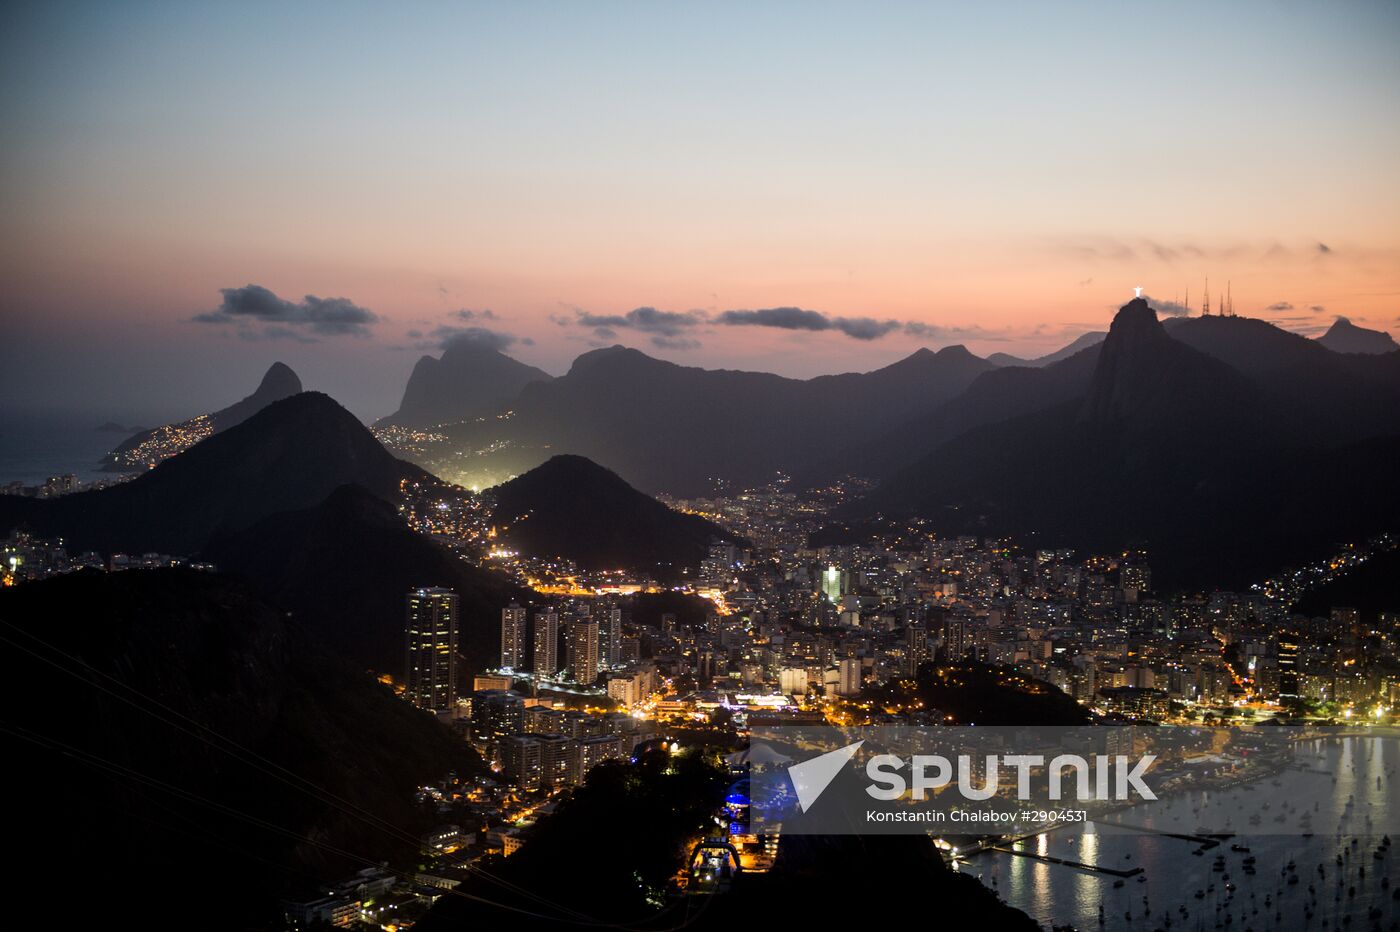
(1066, 862)
(1205, 841)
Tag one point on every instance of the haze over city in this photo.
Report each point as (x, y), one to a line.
(192, 192)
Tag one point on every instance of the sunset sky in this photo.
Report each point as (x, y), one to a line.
(998, 175)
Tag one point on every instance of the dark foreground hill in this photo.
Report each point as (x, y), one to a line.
(344, 566)
(574, 508)
(668, 804)
(288, 456)
(148, 447)
(179, 746)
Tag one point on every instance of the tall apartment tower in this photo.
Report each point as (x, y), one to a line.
(430, 674)
(583, 651)
(609, 636)
(546, 662)
(513, 637)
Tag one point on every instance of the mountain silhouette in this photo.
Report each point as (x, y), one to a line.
(290, 455)
(179, 708)
(1081, 342)
(469, 381)
(1219, 475)
(146, 448)
(1142, 375)
(1309, 389)
(343, 567)
(666, 427)
(1346, 337)
(993, 396)
(1253, 346)
(1372, 589)
(572, 507)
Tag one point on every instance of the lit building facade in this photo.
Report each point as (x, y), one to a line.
(512, 637)
(430, 675)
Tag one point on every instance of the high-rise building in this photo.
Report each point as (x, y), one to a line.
(596, 749)
(583, 651)
(916, 648)
(496, 715)
(630, 688)
(430, 674)
(793, 681)
(513, 637)
(609, 636)
(1288, 668)
(546, 661)
(848, 677)
(559, 763)
(834, 583)
(1134, 579)
(521, 759)
(534, 761)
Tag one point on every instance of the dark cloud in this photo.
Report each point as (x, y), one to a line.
(676, 329)
(447, 337)
(796, 318)
(1109, 249)
(1280, 306)
(645, 319)
(469, 314)
(1318, 309)
(784, 318)
(864, 328)
(261, 314)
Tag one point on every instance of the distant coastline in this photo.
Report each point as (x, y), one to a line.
(36, 444)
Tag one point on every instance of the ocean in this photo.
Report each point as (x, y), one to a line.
(1185, 892)
(35, 445)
